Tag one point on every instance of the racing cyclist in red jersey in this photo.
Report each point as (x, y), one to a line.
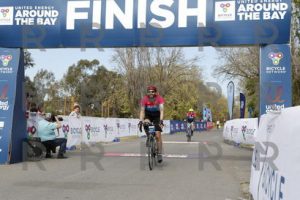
(190, 116)
(152, 109)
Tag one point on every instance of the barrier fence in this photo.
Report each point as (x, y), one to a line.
(92, 129)
(241, 131)
(275, 167)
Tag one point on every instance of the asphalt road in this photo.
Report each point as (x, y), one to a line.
(206, 168)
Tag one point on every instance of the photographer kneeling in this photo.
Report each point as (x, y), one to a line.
(46, 131)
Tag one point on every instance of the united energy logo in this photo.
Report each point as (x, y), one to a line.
(6, 15)
(275, 57)
(5, 59)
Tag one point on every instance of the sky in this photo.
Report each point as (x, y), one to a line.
(58, 60)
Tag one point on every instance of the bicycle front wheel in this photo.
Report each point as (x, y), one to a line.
(150, 154)
(189, 134)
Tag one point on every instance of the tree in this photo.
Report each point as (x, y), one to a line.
(28, 60)
(94, 87)
(164, 67)
(179, 80)
(295, 49)
(43, 82)
(30, 90)
(239, 65)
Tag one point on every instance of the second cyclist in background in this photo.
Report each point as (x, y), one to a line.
(152, 108)
(190, 117)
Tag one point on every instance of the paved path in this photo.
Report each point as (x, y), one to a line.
(205, 169)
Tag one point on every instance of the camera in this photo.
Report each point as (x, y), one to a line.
(51, 117)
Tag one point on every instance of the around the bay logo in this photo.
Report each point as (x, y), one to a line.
(275, 57)
(5, 59)
(6, 15)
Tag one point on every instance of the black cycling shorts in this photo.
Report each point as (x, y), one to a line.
(156, 121)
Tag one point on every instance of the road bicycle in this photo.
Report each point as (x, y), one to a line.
(151, 144)
(189, 131)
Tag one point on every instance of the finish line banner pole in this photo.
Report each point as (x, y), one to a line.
(12, 112)
(275, 78)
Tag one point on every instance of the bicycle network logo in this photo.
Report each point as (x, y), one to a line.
(225, 11)
(244, 129)
(275, 57)
(225, 7)
(65, 129)
(88, 131)
(6, 15)
(5, 59)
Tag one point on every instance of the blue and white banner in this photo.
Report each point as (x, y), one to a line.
(275, 78)
(207, 115)
(127, 23)
(230, 98)
(242, 105)
(12, 114)
(180, 126)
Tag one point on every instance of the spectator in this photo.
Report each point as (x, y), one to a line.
(76, 111)
(46, 131)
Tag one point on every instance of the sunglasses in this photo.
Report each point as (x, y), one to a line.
(151, 91)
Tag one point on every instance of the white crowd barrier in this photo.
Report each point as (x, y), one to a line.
(241, 131)
(92, 129)
(275, 169)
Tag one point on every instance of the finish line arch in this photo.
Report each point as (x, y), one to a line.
(137, 23)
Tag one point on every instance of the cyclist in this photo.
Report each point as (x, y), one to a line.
(190, 117)
(152, 109)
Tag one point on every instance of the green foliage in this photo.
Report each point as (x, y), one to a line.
(238, 65)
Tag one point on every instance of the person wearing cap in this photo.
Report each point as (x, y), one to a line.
(152, 109)
(46, 131)
(190, 117)
(76, 111)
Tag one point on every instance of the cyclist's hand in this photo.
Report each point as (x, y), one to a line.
(140, 125)
(161, 123)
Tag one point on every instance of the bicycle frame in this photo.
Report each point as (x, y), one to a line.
(152, 147)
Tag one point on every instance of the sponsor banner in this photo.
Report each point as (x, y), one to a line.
(242, 105)
(32, 124)
(180, 126)
(230, 98)
(12, 118)
(275, 169)
(90, 23)
(275, 78)
(91, 130)
(75, 135)
(241, 131)
(133, 129)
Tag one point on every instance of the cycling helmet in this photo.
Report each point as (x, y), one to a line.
(191, 110)
(151, 87)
